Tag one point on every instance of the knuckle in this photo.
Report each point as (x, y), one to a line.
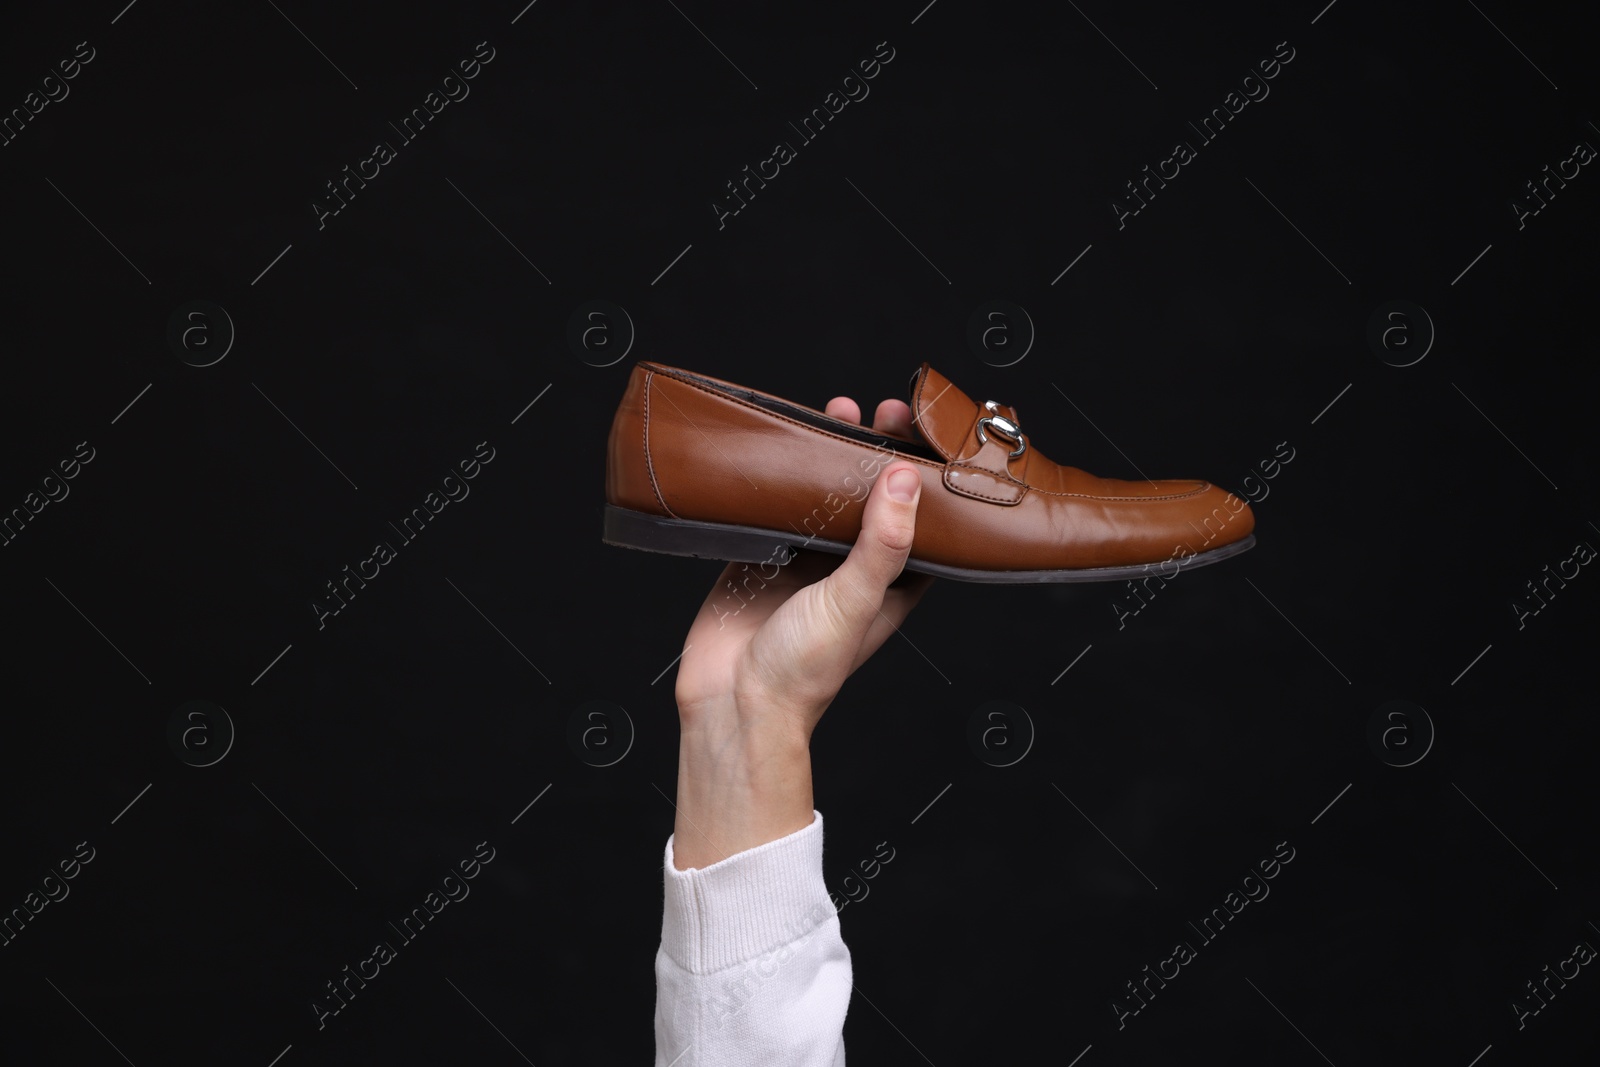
(896, 536)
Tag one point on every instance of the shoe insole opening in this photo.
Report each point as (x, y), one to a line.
(821, 421)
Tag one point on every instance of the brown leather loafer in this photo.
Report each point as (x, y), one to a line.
(697, 466)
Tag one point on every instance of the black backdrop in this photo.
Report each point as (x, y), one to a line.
(246, 849)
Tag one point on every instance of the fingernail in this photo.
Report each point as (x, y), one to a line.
(903, 485)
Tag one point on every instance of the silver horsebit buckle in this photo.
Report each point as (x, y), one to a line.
(1002, 426)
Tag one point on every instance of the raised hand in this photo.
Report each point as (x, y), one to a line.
(753, 684)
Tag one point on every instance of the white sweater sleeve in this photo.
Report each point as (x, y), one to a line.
(751, 969)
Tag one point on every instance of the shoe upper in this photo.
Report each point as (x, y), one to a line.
(694, 447)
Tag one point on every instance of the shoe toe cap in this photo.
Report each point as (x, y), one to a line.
(1216, 517)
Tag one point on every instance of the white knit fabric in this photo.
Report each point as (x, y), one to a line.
(752, 971)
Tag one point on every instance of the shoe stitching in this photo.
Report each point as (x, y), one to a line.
(916, 414)
(922, 383)
(986, 496)
(649, 466)
(727, 399)
(1200, 488)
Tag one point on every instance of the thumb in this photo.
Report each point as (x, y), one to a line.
(888, 524)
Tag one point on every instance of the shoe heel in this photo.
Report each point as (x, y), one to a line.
(684, 537)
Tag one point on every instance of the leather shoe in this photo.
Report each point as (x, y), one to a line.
(697, 466)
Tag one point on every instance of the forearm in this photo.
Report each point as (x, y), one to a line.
(740, 784)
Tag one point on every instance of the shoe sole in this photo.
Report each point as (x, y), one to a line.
(753, 544)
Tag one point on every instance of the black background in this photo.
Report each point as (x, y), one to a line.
(1175, 753)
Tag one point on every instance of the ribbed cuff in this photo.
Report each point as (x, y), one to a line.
(746, 905)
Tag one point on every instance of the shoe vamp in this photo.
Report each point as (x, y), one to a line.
(1047, 476)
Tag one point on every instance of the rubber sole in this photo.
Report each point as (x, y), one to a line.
(753, 544)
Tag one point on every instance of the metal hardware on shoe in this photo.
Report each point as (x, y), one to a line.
(1002, 426)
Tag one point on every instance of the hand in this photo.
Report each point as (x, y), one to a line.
(753, 684)
(782, 656)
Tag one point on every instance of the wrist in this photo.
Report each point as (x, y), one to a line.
(739, 785)
(756, 725)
